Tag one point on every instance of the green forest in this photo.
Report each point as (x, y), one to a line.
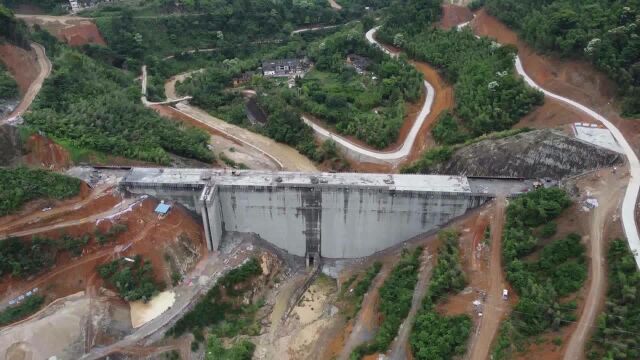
(21, 258)
(604, 32)
(26, 257)
(133, 280)
(16, 312)
(542, 284)
(85, 104)
(49, 6)
(20, 185)
(11, 30)
(435, 336)
(207, 24)
(395, 302)
(222, 314)
(211, 90)
(489, 96)
(369, 106)
(240, 350)
(8, 86)
(616, 337)
(354, 289)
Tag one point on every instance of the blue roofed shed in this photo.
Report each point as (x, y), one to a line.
(162, 208)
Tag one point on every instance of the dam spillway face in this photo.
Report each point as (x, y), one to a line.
(342, 215)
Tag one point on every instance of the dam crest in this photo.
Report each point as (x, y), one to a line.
(332, 215)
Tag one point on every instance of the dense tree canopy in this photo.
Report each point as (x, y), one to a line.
(89, 105)
(12, 30)
(395, 302)
(134, 281)
(489, 97)
(606, 32)
(541, 284)
(8, 86)
(20, 185)
(616, 337)
(435, 336)
(369, 105)
(210, 24)
(225, 316)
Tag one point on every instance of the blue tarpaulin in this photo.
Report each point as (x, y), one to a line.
(163, 208)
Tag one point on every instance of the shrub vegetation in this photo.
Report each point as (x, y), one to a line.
(89, 105)
(16, 312)
(604, 32)
(541, 284)
(20, 185)
(134, 281)
(241, 350)
(8, 86)
(221, 310)
(395, 302)
(618, 326)
(436, 336)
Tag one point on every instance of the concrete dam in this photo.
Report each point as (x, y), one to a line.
(333, 215)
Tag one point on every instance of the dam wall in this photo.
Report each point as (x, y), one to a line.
(312, 215)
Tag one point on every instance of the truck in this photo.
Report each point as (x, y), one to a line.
(505, 294)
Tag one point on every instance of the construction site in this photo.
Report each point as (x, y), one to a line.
(313, 237)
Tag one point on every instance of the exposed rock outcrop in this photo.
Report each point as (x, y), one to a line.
(533, 154)
(10, 146)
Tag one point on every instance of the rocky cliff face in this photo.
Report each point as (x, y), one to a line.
(10, 145)
(534, 154)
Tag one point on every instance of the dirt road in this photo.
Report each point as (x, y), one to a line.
(399, 347)
(363, 329)
(34, 88)
(495, 308)
(283, 155)
(608, 194)
(614, 124)
(203, 278)
(122, 207)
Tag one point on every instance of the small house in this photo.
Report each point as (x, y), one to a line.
(243, 78)
(359, 63)
(284, 67)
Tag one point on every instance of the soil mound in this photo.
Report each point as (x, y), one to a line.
(22, 64)
(42, 151)
(453, 15)
(78, 35)
(534, 154)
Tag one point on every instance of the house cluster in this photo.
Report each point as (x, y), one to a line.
(285, 67)
(77, 5)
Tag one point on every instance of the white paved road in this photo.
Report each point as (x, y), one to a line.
(366, 154)
(631, 194)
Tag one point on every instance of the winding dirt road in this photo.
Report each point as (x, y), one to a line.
(495, 308)
(608, 195)
(633, 188)
(400, 346)
(284, 156)
(36, 85)
(122, 207)
(596, 291)
(364, 154)
(363, 329)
